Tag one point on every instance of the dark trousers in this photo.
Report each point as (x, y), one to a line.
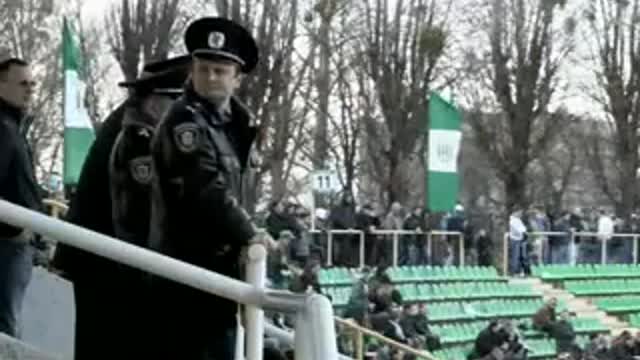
(16, 265)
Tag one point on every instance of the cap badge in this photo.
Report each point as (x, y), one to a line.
(216, 40)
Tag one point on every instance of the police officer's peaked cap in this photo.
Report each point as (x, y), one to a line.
(162, 77)
(219, 38)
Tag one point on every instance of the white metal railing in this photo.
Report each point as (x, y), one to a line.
(395, 238)
(573, 255)
(315, 336)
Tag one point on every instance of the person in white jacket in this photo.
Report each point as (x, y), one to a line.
(518, 254)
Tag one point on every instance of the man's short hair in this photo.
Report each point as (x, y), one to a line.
(5, 65)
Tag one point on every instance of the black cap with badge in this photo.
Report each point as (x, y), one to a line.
(164, 77)
(216, 38)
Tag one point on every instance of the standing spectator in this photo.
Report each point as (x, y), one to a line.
(484, 248)
(416, 245)
(576, 224)
(559, 244)
(518, 253)
(538, 223)
(18, 185)
(279, 219)
(343, 217)
(368, 222)
(394, 221)
(606, 229)
(455, 223)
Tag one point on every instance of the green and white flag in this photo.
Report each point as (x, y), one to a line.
(444, 147)
(78, 132)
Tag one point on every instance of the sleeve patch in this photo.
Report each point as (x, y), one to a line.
(140, 168)
(187, 137)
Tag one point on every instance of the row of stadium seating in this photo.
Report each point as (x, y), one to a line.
(585, 271)
(344, 276)
(602, 287)
(467, 332)
(444, 291)
(487, 309)
(539, 349)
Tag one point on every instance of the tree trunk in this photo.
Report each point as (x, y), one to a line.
(515, 191)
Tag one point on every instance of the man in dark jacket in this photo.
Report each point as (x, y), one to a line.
(17, 185)
(111, 299)
(415, 222)
(200, 153)
(564, 334)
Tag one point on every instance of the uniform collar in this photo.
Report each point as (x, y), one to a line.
(13, 112)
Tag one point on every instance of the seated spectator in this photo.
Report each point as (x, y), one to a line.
(488, 340)
(564, 334)
(622, 347)
(358, 304)
(543, 319)
(597, 348)
(307, 281)
(278, 263)
(383, 295)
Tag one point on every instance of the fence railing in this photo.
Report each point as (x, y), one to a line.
(315, 336)
(386, 235)
(361, 331)
(573, 252)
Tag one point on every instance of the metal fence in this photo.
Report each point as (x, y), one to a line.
(315, 336)
(394, 237)
(573, 249)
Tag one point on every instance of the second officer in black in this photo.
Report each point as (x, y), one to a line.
(200, 154)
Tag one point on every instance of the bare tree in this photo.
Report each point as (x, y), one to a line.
(518, 77)
(141, 31)
(400, 50)
(615, 38)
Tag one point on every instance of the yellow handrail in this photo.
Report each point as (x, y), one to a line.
(362, 330)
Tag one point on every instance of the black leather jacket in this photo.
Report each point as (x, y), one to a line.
(199, 158)
(17, 174)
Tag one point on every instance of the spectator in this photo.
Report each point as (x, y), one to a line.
(279, 220)
(278, 262)
(622, 347)
(597, 348)
(538, 222)
(368, 221)
(484, 248)
(565, 335)
(358, 304)
(518, 253)
(343, 217)
(488, 340)
(307, 281)
(546, 316)
(19, 186)
(414, 248)
(559, 244)
(383, 295)
(455, 223)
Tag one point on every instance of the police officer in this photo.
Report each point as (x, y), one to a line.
(111, 301)
(130, 163)
(200, 154)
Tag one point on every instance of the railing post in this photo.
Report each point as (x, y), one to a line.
(359, 345)
(395, 249)
(505, 254)
(603, 245)
(461, 237)
(430, 246)
(329, 247)
(573, 253)
(635, 249)
(361, 249)
(256, 276)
